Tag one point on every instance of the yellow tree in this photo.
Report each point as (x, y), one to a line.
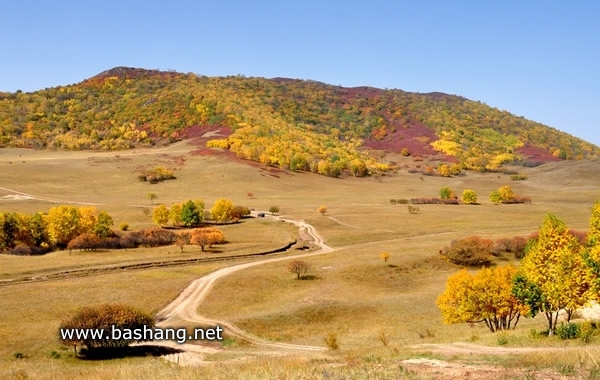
(555, 269)
(175, 214)
(160, 215)
(222, 210)
(322, 210)
(384, 256)
(592, 253)
(484, 297)
(506, 194)
(87, 219)
(63, 224)
(469, 197)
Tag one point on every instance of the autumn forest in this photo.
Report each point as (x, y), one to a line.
(292, 124)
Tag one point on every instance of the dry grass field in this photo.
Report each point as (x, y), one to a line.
(382, 313)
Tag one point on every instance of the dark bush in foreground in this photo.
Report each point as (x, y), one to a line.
(472, 251)
(104, 317)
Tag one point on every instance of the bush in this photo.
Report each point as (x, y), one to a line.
(586, 331)
(103, 317)
(469, 197)
(447, 193)
(518, 177)
(123, 226)
(471, 251)
(518, 246)
(568, 330)
(413, 209)
(331, 341)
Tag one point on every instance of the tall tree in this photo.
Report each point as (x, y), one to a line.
(553, 272)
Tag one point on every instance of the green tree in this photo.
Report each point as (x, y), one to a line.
(190, 215)
(469, 197)
(103, 225)
(222, 210)
(273, 210)
(160, 215)
(37, 226)
(553, 273)
(447, 193)
(9, 226)
(495, 197)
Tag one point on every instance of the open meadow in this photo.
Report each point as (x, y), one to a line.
(383, 314)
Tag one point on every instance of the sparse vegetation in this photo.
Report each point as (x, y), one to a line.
(472, 251)
(298, 267)
(385, 256)
(156, 175)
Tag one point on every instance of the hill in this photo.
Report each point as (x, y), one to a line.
(295, 124)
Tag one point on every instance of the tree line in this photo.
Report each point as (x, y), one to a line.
(43, 232)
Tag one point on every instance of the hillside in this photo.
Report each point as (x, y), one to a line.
(294, 124)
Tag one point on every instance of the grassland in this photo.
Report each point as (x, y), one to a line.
(351, 291)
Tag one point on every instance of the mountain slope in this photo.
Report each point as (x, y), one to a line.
(301, 125)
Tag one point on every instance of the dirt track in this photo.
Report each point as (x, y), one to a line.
(186, 305)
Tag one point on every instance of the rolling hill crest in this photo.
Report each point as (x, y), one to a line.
(289, 123)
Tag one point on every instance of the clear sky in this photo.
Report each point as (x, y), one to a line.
(537, 59)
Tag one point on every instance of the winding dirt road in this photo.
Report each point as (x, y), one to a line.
(185, 306)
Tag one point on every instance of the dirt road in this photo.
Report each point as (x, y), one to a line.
(185, 306)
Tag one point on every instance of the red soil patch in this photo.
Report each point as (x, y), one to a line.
(534, 154)
(199, 136)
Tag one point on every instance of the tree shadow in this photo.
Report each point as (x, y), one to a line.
(309, 277)
(126, 352)
(213, 250)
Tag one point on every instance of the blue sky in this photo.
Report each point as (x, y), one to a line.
(537, 59)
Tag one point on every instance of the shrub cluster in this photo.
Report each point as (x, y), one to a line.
(156, 175)
(515, 245)
(577, 330)
(434, 201)
(150, 237)
(471, 251)
(399, 201)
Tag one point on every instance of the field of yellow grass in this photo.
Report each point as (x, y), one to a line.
(381, 313)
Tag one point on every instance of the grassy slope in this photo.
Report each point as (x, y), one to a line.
(354, 293)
